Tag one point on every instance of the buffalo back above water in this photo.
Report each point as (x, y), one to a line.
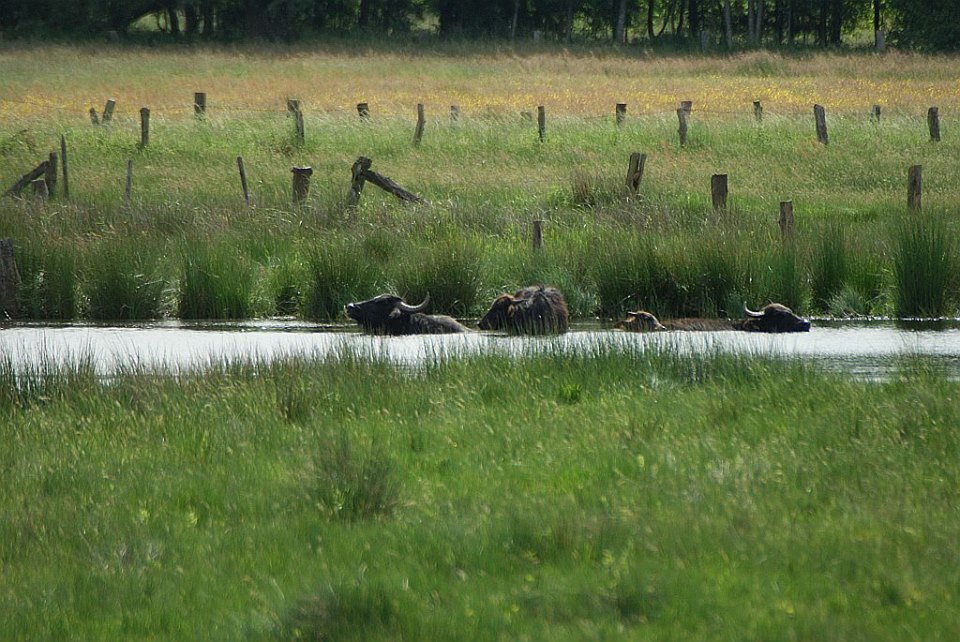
(535, 309)
(774, 317)
(389, 314)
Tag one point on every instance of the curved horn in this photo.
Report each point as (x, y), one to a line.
(406, 307)
(751, 313)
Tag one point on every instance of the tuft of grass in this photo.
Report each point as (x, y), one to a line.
(352, 482)
(338, 272)
(216, 283)
(830, 266)
(922, 265)
(448, 269)
(123, 283)
(49, 284)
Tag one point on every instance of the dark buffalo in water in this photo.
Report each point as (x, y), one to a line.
(536, 309)
(774, 317)
(389, 314)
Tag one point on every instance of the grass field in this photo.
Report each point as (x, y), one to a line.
(487, 177)
(628, 494)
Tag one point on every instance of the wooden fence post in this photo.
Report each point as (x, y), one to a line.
(875, 113)
(820, 115)
(687, 106)
(243, 179)
(933, 123)
(144, 127)
(682, 130)
(108, 111)
(635, 173)
(27, 179)
(914, 187)
(358, 177)
(363, 110)
(621, 114)
(40, 191)
(129, 186)
(718, 191)
(9, 279)
(542, 122)
(301, 183)
(537, 235)
(786, 220)
(50, 176)
(293, 106)
(758, 111)
(93, 116)
(63, 161)
(454, 113)
(199, 104)
(421, 123)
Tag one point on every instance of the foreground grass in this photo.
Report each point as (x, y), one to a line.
(635, 494)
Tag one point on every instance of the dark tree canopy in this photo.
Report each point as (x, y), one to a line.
(920, 24)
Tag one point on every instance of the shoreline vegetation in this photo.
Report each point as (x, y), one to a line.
(633, 493)
(187, 245)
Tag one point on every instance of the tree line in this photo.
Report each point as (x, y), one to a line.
(918, 24)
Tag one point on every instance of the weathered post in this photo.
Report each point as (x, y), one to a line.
(682, 130)
(93, 116)
(50, 176)
(914, 187)
(537, 235)
(687, 106)
(108, 111)
(786, 220)
(144, 127)
(363, 110)
(718, 191)
(875, 113)
(301, 183)
(621, 114)
(635, 173)
(933, 123)
(454, 113)
(27, 179)
(542, 122)
(243, 179)
(293, 106)
(358, 177)
(421, 123)
(758, 111)
(63, 161)
(820, 115)
(9, 279)
(40, 191)
(129, 186)
(199, 104)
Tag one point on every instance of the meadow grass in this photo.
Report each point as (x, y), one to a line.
(635, 492)
(485, 177)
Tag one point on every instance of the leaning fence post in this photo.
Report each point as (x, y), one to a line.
(199, 104)
(358, 177)
(108, 111)
(93, 116)
(635, 173)
(914, 187)
(293, 106)
(63, 161)
(542, 122)
(537, 235)
(144, 126)
(421, 123)
(50, 176)
(301, 183)
(243, 179)
(786, 220)
(621, 113)
(718, 191)
(129, 186)
(933, 123)
(820, 115)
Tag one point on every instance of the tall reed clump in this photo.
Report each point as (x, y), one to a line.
(829, 266)
(447, 269)
(48, 286)
(123, 282)
(216, 283)
(922, 266)
(338, 271)
(351, 481)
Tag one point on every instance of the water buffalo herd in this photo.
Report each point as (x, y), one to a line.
(540, 309)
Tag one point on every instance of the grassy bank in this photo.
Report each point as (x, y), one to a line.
(629, 493)
(196, 249)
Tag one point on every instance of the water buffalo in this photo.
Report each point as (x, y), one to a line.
(774, 317)
(390, 315)
(532, 310)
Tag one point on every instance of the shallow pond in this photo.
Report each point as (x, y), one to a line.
(863, 349)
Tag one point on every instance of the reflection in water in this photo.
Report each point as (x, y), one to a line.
(861, 349)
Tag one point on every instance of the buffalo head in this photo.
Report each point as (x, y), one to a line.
(641, 321)
(774, 317)
(532, 310)
(390, 314)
